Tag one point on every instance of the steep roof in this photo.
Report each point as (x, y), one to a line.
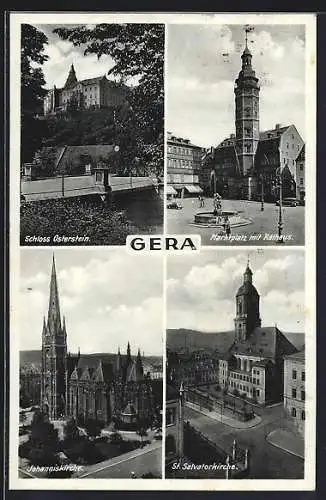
(90, 81)
(72, 154)
(72, 361)
(267, 342)
(133, 373)
(272, 133)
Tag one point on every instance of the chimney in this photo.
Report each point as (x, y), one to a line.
(277, 126)
(232, 136)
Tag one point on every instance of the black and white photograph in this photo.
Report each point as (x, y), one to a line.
(236, 366)
(236, 136)
(91, 369)
(161, 292)
(92, 101)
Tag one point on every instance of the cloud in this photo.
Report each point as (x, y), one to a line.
(201, 76)
(103, 295)
(202, 294)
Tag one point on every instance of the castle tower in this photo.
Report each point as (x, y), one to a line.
(54, 356)
(246, 91)
(71, 79)
(247, 308)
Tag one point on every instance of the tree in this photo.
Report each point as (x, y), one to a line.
(64, 216)
(116, 438)
(46, 162)
(138, 54)
(71, 431)
(43, 444)
(93, 427)
(33, 44)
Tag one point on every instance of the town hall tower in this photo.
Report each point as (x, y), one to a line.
(246, 91)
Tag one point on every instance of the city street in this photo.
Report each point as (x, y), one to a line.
(267, 461)
(264, 223)
(148, 459)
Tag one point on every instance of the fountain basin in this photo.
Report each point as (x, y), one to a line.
(208, 219)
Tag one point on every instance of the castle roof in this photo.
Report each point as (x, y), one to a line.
(90, 81)
(265, 342)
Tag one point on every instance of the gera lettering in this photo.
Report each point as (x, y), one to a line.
(190, 243)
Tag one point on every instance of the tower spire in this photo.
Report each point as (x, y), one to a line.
(71, 79)
(54, 321)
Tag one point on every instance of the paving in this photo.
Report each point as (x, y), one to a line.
(287, 441)
(263, 230)
(267, 461)
(140, 461)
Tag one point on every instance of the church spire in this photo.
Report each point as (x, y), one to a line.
(139, 364)
(54, 321)
(247, 277)
(118, 361)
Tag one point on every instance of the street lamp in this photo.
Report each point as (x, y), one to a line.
(280, 218)
(262, 193)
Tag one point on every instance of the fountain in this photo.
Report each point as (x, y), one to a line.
(218, 218)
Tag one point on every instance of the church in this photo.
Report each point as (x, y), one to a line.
(253, 367)
(92, 93)
(102, 387)
(251, 164)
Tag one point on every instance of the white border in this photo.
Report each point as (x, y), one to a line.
(16, 19)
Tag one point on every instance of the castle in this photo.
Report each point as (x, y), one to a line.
(92, 93)
(249, 163)
(86, 386)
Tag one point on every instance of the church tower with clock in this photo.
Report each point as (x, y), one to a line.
(246, 91)
(247, 308)
(54, 356)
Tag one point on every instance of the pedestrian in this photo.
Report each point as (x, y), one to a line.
(227, 227)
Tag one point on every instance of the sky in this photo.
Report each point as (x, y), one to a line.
(201, 288)
(63, 53)
(103, 295)
(205, 60)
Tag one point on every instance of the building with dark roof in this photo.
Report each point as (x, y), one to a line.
(86, 387)
(251, 164)
(254, 365)
(91, 93)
